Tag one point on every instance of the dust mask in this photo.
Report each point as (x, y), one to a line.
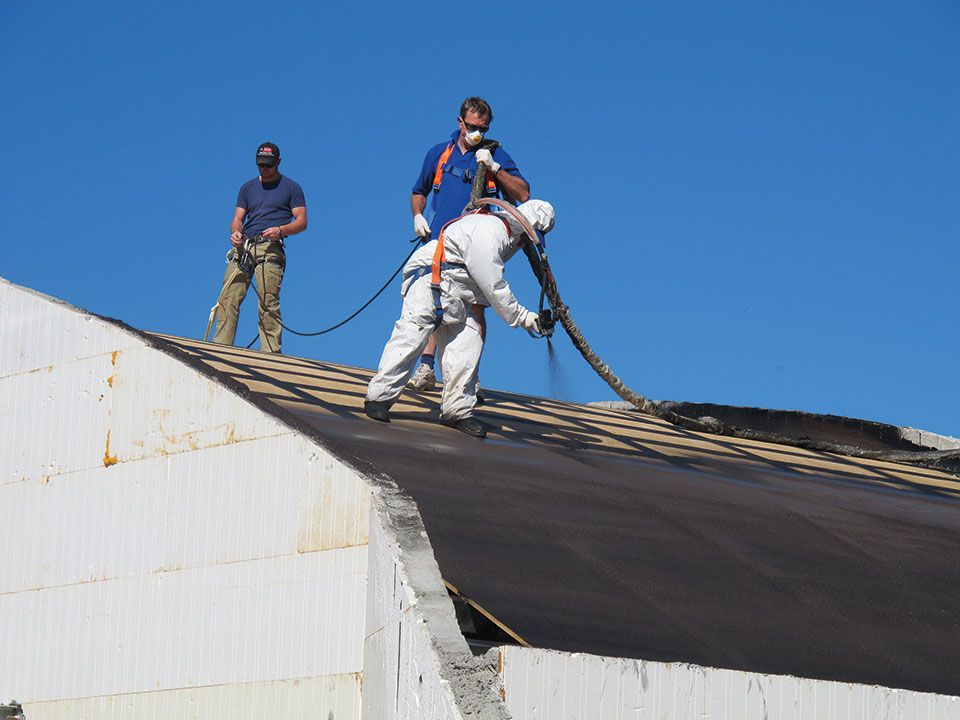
(472, 138)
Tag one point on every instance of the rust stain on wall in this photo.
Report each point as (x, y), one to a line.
(503, 689)
(109, 459)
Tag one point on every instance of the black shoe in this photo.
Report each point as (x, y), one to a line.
(377, 410)
(468, 426)
(481, 398)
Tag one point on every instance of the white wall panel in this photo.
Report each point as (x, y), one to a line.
(245, 501)
(335, 697)
(545, 684)
(37, 331)
(385, 604)
(54, 420)
(333, 503)
(116, 407)
(290, 617)
(160, 406)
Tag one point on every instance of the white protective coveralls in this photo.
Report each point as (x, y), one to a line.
(482, 243)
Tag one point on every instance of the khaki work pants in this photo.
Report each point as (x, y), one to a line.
(268, 262)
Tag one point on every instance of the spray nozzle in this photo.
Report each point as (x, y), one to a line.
(547, 322)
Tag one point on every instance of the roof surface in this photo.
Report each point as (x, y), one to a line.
(611, 532)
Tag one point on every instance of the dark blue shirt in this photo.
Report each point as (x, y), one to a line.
(454, 193)
(268, 205)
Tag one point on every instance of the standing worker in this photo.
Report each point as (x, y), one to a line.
(443, 279)
(448, 171)
(269, 208)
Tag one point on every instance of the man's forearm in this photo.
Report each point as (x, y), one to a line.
(298, 225)
(417, 203)
(513, 187)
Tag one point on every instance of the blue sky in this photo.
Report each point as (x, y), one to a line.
(757, 202)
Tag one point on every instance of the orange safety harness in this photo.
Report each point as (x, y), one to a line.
(441, 165)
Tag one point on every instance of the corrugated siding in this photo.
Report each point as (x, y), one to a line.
(544, 684)
(287, 617)
(165, 541)
(257, 499)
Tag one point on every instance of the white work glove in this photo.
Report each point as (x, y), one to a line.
(484, 156)
(531, 322)
(420, 226)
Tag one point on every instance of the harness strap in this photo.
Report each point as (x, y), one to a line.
(438, 175)
(428, 269)
(439, 260)
(441, 168)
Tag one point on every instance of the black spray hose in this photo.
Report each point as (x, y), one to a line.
(417, 243)
(946, 460)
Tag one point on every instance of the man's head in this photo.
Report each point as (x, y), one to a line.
(268, 159)
(474, 120)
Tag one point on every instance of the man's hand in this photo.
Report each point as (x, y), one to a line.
(531, 322)
(484, 157)
(420, 226)
(236, 237)
(272, 234)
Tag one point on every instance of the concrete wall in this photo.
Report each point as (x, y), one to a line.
(417, 665)
(167, 545)
(544, 684)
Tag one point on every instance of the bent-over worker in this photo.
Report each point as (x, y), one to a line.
(468, 260)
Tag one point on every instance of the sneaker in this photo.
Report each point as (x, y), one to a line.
(423, 379)
(377, 410)
(470, 426)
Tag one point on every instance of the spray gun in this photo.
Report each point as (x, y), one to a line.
(547, 322)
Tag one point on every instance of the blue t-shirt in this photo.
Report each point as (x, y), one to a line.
(454, 193)
(268, 205)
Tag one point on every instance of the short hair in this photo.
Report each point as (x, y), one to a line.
(480, 106)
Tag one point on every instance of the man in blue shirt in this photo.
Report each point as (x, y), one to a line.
(269, 208)
(447, 172)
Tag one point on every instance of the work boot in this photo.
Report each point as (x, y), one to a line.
(423, 379)
(377, 410)
(468, 426)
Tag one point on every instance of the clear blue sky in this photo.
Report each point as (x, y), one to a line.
(757, 202)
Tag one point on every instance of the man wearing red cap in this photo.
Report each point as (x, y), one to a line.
(269, 208)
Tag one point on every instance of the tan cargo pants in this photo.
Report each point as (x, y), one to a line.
(268, 262)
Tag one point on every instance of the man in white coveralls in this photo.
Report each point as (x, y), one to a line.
(464, 266)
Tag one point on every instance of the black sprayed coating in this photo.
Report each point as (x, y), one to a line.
(761, 571)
